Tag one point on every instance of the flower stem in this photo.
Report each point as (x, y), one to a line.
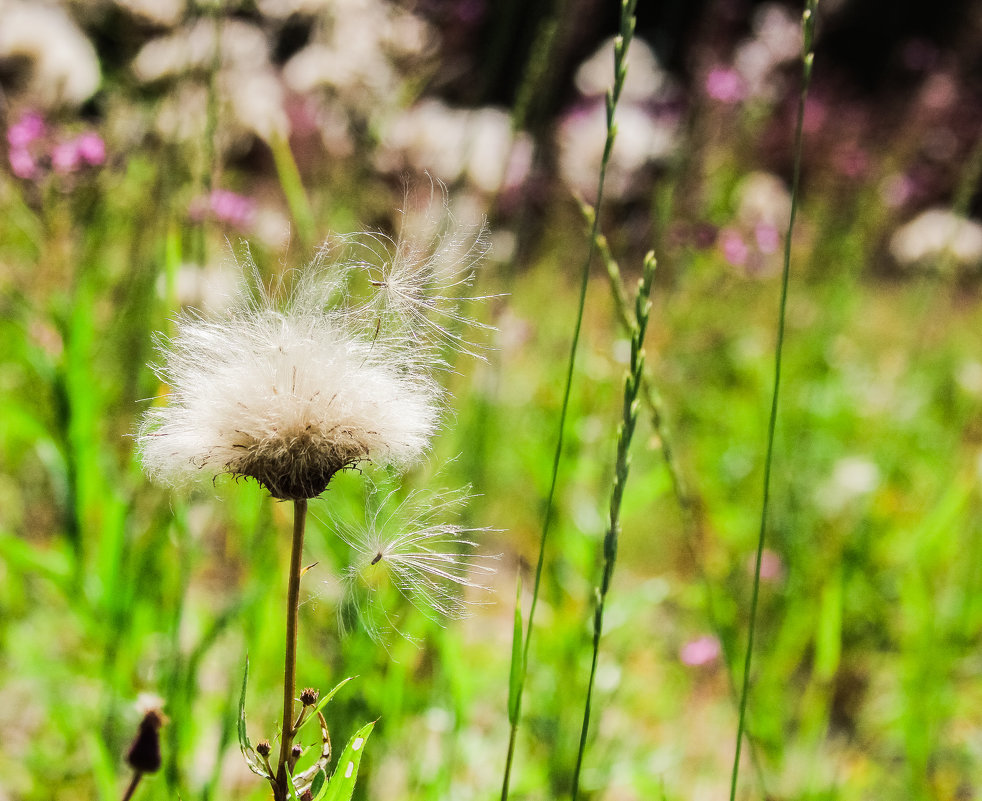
(290, 667)
(808, 54)
(137, 775)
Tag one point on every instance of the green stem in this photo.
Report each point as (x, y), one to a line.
(292, 185)
(620, 70)
(281, 791)
(808, 22)
(632, 389)
(137, 775)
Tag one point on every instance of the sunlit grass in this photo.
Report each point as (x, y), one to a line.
(864, 679)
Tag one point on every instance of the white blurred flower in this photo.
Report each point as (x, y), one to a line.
(354, 52)
(211, 288)
(61, 64)
(201, 46)
(477, 145)
(248, 86)
(283, 9)
(853, 477)
(645, 78)
(643, 138)
(763, 197)
(166, 13)
(938, 238)
(776, 40)
(289, 391)
(256, 100)
(969, 377)
(409, 549)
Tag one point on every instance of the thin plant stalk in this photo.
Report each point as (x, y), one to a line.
(691, 524)
(292, 185)
(808, 25)
(632, 404)
(517, 686)
(131, 787)
(290, 665)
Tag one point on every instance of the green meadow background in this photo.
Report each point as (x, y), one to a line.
(311, 118)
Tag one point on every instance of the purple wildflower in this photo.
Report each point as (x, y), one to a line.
(725, 85)
(27, 129)
(701, 651)
(91, 148)
(735, 250)
(22, 163)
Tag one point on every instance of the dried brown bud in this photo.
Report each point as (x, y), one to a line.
(296, 752)
(307, 795)
(309, 696)
(144, 753)
(263, 748)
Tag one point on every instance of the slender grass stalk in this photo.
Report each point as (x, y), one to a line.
(131, 787)
(650, 395)
(281, 791)
(632, 389)
(516, 689)
(292, 185)
(688, 506)
(808, 27)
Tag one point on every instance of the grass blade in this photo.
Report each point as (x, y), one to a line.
(808, 24)
(517, 663)
(632, 389)
(620, 67)
(342, 783)
(248, 752)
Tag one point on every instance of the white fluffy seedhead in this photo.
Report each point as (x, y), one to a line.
(419, 284)
(287, 394)
(408, 550)
(294, 383)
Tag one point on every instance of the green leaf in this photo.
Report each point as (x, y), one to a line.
(323, 702)
(290, 788)
(243, 735)
(342, 783)
(319, 783)
(51, 562)
(103, 766)
(248, 752)
(828, 635)
(517, 676)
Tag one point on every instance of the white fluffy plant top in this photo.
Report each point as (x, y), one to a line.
(290, 387)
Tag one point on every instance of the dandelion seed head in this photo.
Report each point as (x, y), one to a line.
(406, 550)
(287, 393)
(421, 281)
(332, 367)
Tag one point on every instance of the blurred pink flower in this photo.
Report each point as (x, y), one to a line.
(771, 565)
(768, 238)
(816, 112)
(22, 163)
(34, 149)
(65, 158)
(735, 250)
(897, 189)
(91, 149)
(701, 651)
(725, 85)
(27, 129)
(225, 206)
(852, 161)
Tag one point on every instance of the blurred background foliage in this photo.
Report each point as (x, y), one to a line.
(147, 140)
